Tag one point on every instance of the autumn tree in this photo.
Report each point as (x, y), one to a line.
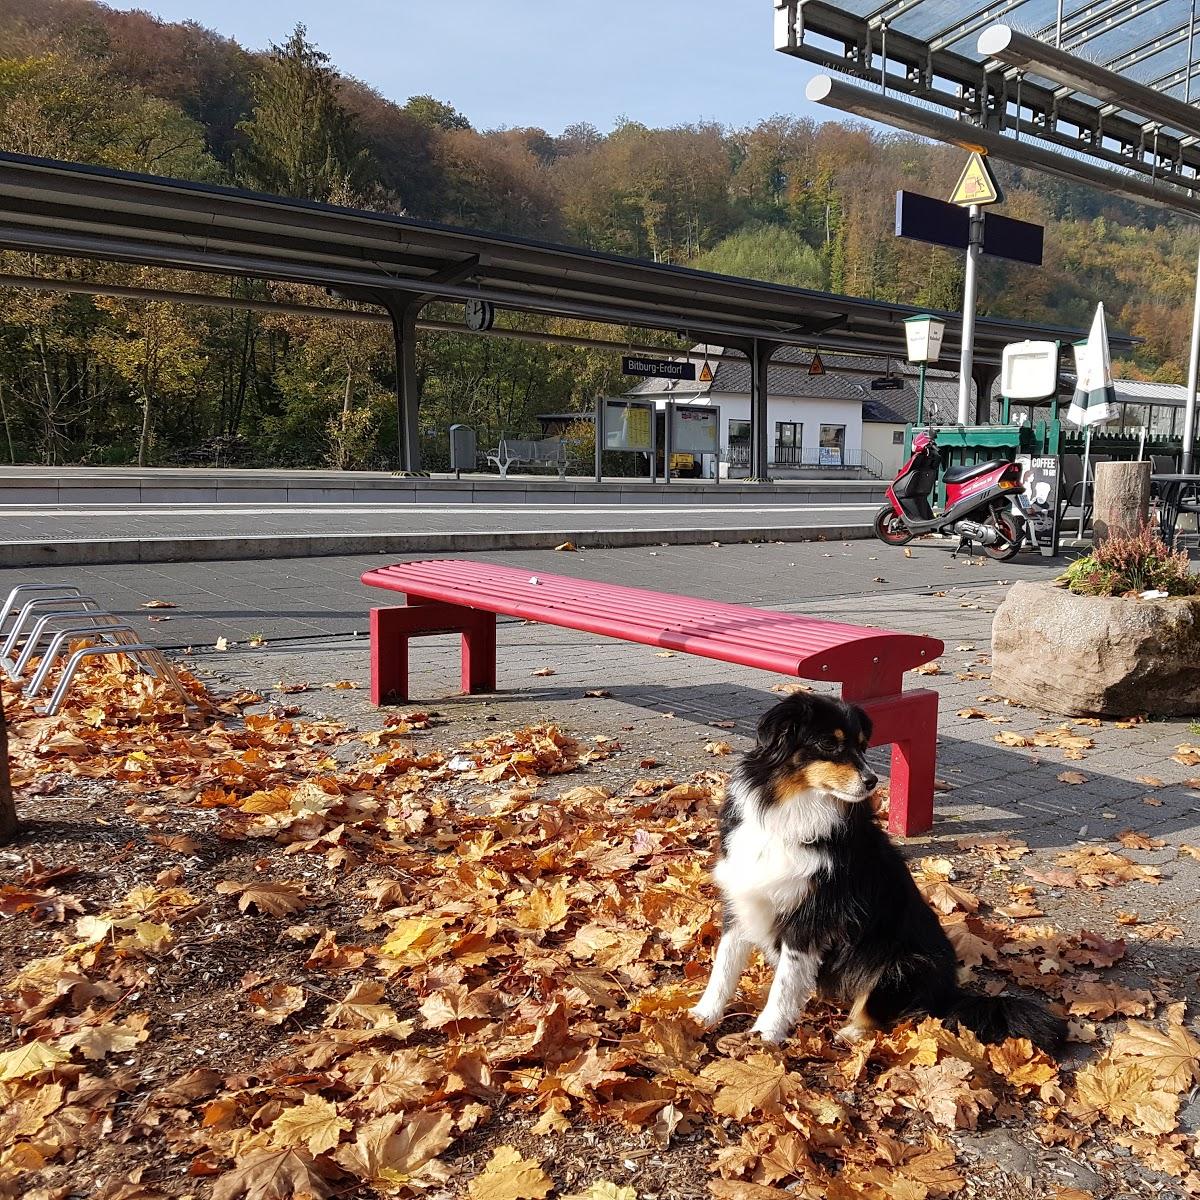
(300, 140)
(155, 346)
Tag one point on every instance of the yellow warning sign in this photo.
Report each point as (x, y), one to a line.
(706, 374)
(977, 184)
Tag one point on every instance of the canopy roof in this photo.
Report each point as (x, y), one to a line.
(73, 210)
(1112, 79)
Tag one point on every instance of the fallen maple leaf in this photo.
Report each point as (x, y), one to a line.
(1123, 1093)
(180, 843)
(757, 1083)
(718, 748)
(95, 1042)
(278, 1174)
(221, 644)
(29, 1060)
(604, 1189)
(314, 1124)
(544, 671)
(740, 1189)
(508, 1176)
(392, 1149)
(159, 604)
(277, 899)
(276, 1003)
(1172, 1057)
(568, 546)
(1132, 840)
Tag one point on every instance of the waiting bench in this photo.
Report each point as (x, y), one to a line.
(551, 451)
(456, 596)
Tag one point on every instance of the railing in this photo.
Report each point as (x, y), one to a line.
(823, 457)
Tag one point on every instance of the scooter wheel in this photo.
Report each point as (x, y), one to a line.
(890, 529)
(1009, 530)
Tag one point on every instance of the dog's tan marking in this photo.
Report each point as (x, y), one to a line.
(821, 776)
(860, 1023)
(863, 739)
(840, 734)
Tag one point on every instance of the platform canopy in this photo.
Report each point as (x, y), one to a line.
(401, 264)
(1113, 81)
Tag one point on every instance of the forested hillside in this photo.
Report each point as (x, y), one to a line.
(107, 380)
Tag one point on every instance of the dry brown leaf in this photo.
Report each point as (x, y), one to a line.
(543, 672)
(159, 604)
(1072, 777)
(508, 1176)
(314, 1123)
(758, 1083)
(1172, 1057)
(1132, 840)
(718, 748)
(278, 1174)
(392, 1149)
(277, 899)
(275, 1004)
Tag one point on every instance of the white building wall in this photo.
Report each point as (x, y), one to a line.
(878, 439)
(812, 414)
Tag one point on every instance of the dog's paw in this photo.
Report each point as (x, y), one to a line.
(771, 1033)
(706, 1018)
(852, 1033)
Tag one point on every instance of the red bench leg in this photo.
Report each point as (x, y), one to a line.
(392, 627)
(479, 653)
(389, 656)
(908, 721)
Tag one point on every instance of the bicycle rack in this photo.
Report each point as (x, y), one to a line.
(33, 612)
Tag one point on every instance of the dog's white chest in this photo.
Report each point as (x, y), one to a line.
(764, 878)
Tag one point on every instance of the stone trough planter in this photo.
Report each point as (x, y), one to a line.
(1096, 656)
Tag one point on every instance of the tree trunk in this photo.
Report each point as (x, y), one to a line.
(144, 440)
(1122, 499)
(8, 810)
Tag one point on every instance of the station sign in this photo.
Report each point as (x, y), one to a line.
(657, 368)
(924, 219)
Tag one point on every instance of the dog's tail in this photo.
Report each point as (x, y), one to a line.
(994, 1018)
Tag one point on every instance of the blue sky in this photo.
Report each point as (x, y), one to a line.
(539, 62)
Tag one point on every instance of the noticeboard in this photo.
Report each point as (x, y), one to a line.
(695, 429)
(628, 425)
(1040, 475)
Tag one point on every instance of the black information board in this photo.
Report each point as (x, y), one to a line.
(1041, 478)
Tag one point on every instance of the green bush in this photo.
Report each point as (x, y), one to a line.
(1130, 564)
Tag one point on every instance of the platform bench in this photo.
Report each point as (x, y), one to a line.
(456, 596)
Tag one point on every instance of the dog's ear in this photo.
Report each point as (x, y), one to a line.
(781, 724)
(864, 722)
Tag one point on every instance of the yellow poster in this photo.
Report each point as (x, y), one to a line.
(637, 428)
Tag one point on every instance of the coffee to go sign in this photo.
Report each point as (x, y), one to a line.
(657, 368)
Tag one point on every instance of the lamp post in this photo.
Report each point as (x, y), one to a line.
(924, 336)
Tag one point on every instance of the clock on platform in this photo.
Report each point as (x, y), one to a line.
(480, 315)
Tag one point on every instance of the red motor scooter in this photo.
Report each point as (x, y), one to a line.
(981, 503)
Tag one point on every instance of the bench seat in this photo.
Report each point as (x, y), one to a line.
(452, 595)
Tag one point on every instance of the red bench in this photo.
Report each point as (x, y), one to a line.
(454, 596)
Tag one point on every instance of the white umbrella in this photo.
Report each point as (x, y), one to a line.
(1095, 398)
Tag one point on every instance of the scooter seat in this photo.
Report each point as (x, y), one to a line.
(962, 474)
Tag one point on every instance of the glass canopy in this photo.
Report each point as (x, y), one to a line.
(929, 50)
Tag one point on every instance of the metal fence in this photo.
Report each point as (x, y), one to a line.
(809, 456)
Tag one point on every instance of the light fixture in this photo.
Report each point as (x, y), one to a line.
(924, 335)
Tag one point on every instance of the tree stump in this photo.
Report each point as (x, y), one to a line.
(8, 809)
(1122, 499)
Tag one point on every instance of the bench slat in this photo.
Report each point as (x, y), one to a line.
(784, 642)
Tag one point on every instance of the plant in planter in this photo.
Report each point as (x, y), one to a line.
(1118, 634)
(1129, 565)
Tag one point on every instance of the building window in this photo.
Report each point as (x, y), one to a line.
(833, 445)
(897, 437)
(789, 441)
(739, 432)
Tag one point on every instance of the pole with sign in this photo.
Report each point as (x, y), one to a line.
(976, 187)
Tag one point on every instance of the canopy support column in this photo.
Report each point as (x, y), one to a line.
(404, 312)
(1189, 412)
(760, 351)
(984, 376)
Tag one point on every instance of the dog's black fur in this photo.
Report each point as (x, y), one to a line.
(878, 941)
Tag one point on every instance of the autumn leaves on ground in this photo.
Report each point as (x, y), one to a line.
(264, 956)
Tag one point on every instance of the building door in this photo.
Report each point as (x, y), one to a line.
(789, 441)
